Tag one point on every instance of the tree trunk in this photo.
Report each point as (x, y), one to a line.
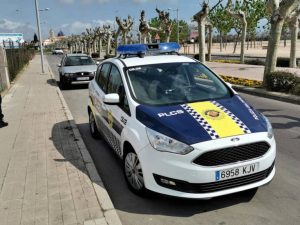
(100, 47)
(236, 42)
(108, 46)
(221, 41)
(274, 39)
(201, 32)
(294, 36)
(244, 32)
(209, 42)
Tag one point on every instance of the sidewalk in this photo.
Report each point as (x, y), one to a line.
(252, 72)
(46, 173)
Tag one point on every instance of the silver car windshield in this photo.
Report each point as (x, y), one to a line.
(79, 61)
(174, 83)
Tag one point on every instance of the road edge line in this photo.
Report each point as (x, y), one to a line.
(109, 211)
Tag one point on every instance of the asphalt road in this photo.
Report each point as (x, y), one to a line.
(276, 203)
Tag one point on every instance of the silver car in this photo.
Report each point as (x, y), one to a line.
(76, 68)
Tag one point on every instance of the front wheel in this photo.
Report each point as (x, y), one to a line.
(134, 174)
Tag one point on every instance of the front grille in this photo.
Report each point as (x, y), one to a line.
(232, 154)
(184, 186)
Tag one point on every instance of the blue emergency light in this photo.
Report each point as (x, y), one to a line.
(148, 49)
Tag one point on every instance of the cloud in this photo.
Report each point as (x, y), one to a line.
(161, 1)
(9, 26)
(67, 1)
(76, 27)
(100, 23)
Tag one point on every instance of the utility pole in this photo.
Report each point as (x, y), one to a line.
(40, 33)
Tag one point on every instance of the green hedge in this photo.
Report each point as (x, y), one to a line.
(17, 59)
(283, 82)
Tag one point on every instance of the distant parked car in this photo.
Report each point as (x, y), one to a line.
(57, 51)
(76, 68)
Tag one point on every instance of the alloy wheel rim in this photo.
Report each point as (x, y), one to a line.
(133, 171)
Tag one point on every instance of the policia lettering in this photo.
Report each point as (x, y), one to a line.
(217, 121)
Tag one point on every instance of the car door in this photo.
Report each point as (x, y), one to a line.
(99, 90)
(117, 115)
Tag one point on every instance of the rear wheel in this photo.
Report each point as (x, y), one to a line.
(133, 173)
(93, 127)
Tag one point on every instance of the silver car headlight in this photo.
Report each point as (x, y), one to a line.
(163, 143)
(269, 127)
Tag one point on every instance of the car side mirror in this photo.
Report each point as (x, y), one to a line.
(111, 99)
(59, 65)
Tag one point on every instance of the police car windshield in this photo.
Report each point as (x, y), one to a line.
(78, 61)
(174, 83)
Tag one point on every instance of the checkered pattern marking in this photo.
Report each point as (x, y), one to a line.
(211, 132)
(110, 138)
(245, 129)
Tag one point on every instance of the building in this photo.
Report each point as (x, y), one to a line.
(52, 39)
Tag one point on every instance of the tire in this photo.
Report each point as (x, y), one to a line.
(133, 173)
(62, 83)
(93, 127)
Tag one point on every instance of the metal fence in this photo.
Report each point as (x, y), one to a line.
(17, 59)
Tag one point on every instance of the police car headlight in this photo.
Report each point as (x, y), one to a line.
(164, 143)
(269, 127)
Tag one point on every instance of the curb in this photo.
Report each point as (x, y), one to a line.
(268, 94)
(109, 211)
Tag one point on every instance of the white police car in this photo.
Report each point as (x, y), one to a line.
(179, 128)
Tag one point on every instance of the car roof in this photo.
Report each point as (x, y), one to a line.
(76, 54)
(139, 61)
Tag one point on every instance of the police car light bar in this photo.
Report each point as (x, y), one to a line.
(143, 49)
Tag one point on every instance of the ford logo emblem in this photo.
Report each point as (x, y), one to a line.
(235, 139)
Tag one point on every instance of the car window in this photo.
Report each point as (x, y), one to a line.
(175, 83)
(115, 85)
(115, 80)
(103, 76)
(78, 61)
(98, 73)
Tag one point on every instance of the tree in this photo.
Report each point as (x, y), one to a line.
(201, 19)
(241, 16)
(222, 22)
(183, 30)
(35, 38)
(293, 22)
(278, 10)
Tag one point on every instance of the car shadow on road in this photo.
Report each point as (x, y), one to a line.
(56, 83)
(65, 143)
(110, 169)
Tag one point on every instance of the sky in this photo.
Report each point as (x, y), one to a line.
(74, 16)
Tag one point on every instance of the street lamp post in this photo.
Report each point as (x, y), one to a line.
(177, 19)
(39, 31)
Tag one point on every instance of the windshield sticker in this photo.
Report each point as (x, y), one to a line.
(172, 113)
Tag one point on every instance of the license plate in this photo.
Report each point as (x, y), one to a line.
(237, 172)
(83, 78)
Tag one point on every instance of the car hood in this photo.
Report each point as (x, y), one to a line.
(76, 69)
(203, 121)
